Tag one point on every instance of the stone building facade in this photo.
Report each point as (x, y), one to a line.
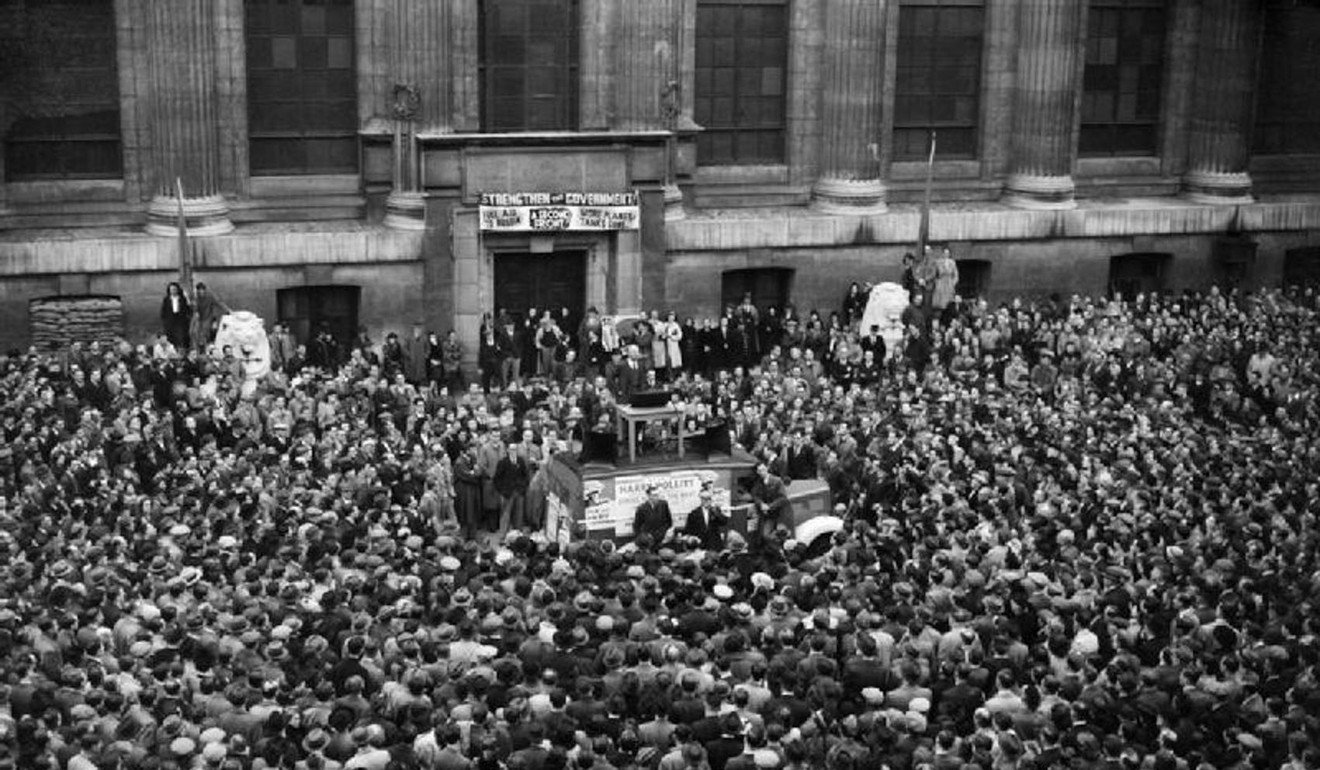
(332, 154)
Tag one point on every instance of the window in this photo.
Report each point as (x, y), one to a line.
(60, 82)
(742, 55)
(529, 65)
(1121, 87)
(1288, 98)
(938, 78)
(302, 89)
(973, 278)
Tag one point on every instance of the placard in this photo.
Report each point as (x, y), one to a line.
(601, 516)
(558, 212)
(554, 511)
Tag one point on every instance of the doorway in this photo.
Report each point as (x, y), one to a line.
(1301, 268)
(769, 286)
(304, 309)
(973, 278)
(542, 281)
(1133, 274)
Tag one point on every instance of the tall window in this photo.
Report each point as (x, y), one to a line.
(1288, 99)
(529, 65)
(302, 89)
(742, 55)
(938, 77)
(1124, 67)
(60, 86)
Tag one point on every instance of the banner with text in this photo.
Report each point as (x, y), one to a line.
(558, 212)
(681, 490)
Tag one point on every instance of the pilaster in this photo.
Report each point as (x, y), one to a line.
(647, 78)
(421, 64)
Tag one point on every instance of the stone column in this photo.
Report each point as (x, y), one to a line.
(851, 73)
(421, 59)
(649, 42)
(1045, 104)
(181, 42)
(1220, 123)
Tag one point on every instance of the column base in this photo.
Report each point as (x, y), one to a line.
(207, 215)
(1217, 187)
(1032, 191)
(405, 211)
(674, 203)
(856, 197)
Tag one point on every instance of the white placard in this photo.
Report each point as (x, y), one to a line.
(554, 511)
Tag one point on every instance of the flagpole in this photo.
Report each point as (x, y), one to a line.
(185, 250)
(923, 232)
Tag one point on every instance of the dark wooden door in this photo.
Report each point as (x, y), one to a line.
(542, 281)
(1133, 274)
(769, 286)
(305, 309)
(1301, 267)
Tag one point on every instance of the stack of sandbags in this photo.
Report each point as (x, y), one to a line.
(57, 321)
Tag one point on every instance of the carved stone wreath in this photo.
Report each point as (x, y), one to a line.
(407, 102)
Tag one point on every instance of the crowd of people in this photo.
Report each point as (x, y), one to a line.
(1079, 533)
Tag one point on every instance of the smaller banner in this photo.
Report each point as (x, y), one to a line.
(554, 511)
(558, 212)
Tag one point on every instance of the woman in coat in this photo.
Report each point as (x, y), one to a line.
(673, 338)
(467, 491)
(175, 315)
(659, 345)
(690, 347)
(946, 281)
(643, 338)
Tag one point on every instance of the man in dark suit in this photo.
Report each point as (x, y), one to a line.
(707, 523)
(873, 342)
(771, 498)
(865, 669)
(652, 517)
(800, 457)
(632, 375)
(512, 475)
